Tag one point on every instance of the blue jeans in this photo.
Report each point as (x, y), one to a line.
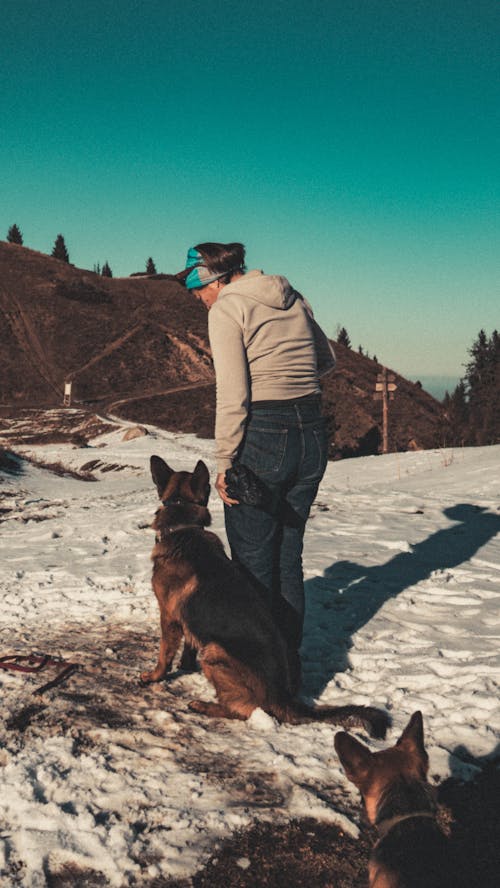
(286, 445)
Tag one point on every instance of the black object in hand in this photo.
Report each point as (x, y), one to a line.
(242, 484)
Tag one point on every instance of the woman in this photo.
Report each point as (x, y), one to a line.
(268, 355)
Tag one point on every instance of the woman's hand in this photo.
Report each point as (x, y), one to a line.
(220, 486)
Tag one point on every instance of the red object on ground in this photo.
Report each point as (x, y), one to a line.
(35, 663)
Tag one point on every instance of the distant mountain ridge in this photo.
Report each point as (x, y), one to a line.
(437, 385)
(139, 347)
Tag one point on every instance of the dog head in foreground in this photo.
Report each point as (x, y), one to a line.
(374, 772)
(184, 496)
(411, 850)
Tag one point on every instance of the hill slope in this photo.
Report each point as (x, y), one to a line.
(111, 337)
(139, 346)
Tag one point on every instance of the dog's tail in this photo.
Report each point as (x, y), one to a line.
(374, 720)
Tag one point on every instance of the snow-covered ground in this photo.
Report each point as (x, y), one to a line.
(402, 563)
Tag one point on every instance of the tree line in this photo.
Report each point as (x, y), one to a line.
(60, 251)
(472, 411)
(344, 339)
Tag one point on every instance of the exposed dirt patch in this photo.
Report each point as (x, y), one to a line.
(57, 426)
(58, 468)
(95, 465)
(22, 719)
(308, 854)
(66, 874)
(304, 853)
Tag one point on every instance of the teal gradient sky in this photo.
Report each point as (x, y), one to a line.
(352, 145)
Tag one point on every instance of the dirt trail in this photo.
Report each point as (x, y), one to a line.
(30, 345)
(154, 394)
(24, 331)
(110, 348)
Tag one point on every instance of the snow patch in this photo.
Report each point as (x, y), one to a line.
(103, 779)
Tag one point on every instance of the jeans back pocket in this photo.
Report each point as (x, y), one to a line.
(264, 449)
(315, 456)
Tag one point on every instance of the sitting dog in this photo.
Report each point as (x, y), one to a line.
(204, 598)
(411, 851)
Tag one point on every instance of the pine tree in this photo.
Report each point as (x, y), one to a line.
(492, 419)
(150, 266)
(106, 271)
(59, 250)
(14, 235)
(457, 413)
(473, 409)
(478, 381)
(484, 394)
(343, 337)
(474, 371)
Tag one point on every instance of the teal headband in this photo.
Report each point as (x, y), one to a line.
(197, 275)
(200, 275)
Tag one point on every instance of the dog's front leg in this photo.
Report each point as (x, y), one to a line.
(171, 634)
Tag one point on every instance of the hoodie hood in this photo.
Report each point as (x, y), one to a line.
(272, 290)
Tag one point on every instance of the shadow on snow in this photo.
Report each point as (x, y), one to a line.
(348, 595)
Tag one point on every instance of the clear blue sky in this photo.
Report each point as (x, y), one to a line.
(352, 145)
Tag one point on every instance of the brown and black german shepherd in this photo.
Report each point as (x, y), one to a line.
(204, 598)
(411, 851)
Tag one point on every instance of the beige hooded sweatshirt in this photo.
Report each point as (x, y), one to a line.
(266, 346)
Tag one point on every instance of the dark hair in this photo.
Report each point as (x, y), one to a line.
(221, 258)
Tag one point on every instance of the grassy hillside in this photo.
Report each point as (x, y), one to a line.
(138, 347)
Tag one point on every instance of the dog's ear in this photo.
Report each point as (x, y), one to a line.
(412, 741)
(161, 473)
(413, 734)
(354, 756)
(200, 481)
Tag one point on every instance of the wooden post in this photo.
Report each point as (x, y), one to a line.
(67, 394)
(385, 387)
(385, 413)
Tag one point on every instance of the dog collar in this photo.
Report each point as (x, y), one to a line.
(170, 530)
(386, 825)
